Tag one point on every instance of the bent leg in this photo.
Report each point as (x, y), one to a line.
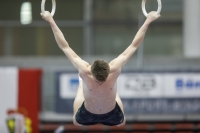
(119, 101)
(78, 101)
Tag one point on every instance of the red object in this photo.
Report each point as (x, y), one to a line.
(29, 94)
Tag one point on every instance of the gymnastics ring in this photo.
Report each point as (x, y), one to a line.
(53, 7)
(144, 10)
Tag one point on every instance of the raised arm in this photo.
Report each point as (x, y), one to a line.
(63, 44)
(121, 60)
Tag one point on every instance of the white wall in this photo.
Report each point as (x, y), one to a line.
(8, 94)
(191, 28)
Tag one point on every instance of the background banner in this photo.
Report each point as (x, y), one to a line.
(162, 106)
(155, 85)
(149, 92)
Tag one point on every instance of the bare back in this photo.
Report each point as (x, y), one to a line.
(99, 98)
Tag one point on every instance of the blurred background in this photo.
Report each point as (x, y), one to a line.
(160, 83)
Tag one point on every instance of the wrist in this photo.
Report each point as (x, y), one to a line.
(148, 21)
(50, 20)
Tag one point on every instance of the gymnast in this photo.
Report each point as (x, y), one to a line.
(97, 100)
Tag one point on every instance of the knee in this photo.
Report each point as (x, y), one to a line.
(123, 123)
(75, 122)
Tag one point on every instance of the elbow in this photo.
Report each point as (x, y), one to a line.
(64, 48)
(63, 44)
(135, 44)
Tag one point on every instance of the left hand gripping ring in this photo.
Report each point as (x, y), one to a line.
(144, 9)
(53, 7)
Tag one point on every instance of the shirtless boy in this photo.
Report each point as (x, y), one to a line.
(97, 100)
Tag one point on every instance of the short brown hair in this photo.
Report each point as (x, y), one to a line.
(100, 70)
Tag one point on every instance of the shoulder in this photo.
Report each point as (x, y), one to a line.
(114, 73)
(85, 71)
(114, 69)
(83, 66)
